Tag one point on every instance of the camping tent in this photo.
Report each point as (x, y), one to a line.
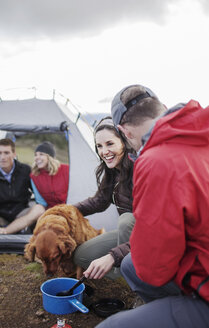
(48, 116)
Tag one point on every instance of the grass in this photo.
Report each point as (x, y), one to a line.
(34, 267)
(25, 155)
(25, 149)
(6, 273)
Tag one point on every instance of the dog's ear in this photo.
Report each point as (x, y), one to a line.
(30, 251)
(67, 245)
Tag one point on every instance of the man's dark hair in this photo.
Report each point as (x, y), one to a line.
(7, 142)
(149, 107)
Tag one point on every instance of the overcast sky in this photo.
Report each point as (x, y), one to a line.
(89, 49)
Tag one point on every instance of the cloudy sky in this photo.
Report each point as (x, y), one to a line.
(89, 49)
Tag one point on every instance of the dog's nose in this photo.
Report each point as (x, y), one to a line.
(49, 274)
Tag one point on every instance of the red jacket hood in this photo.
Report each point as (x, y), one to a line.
(192, 128)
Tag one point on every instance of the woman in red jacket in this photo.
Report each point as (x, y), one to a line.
(49, 178)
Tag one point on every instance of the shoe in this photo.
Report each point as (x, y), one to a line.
(26, 231)
(137, 302)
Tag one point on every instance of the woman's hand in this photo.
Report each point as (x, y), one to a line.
(99, 267)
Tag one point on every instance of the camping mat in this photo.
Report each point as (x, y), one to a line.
(13, 243)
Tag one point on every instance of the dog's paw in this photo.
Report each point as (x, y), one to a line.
(36, 259)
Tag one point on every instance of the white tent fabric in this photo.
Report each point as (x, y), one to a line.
(47, 116)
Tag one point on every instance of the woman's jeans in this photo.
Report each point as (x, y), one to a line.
(147, 292)
(102, 244)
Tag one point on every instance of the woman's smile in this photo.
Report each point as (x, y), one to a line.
(110, 148)
(41, 160)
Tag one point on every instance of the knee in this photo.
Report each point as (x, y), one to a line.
(123, 221)
(79, 254)
(76, 253)
(125, 264)
(126, 220)
(125, 226)
(39, 209)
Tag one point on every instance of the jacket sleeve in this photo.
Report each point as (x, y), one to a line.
(119, 252)
(98, 203)
(158, 238)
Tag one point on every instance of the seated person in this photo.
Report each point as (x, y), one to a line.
(16, 210)
(49, 178)
(168, 263)
(114, 180)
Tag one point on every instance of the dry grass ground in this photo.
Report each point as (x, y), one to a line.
(21, 298)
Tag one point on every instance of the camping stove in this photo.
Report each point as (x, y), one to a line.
(61, 324)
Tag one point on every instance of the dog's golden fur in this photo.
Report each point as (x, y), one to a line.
(57, 234)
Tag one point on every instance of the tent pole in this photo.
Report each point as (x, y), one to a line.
(69, 162)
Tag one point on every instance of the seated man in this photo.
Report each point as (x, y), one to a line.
(16, 210)
(168, 263)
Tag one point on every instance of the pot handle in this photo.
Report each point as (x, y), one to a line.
(78, 305)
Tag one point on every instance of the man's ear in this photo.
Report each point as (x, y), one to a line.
(126, 133)
(14, 155)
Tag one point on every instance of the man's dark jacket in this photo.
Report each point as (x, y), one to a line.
(15, 196)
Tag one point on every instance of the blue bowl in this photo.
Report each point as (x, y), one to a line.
(62, 304)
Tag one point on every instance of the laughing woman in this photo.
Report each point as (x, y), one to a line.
(114, 180)
(49, 178)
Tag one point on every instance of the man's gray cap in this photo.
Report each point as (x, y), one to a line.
(118, 108)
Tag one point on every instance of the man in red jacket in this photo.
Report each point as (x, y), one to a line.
(169, 261)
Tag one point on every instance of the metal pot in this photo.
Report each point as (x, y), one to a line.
(62, 304)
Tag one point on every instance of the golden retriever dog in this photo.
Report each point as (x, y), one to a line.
(57, 234)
